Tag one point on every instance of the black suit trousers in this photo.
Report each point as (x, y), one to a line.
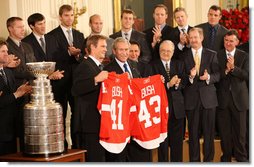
(201, 120)
(232, 128)
(175, 136)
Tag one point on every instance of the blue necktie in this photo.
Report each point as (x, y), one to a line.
(212, 37)
(126, 68)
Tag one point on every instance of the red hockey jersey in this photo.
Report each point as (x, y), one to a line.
(149, 126)
(114, 105)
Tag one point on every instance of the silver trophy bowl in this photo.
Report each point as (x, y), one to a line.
(41, 69)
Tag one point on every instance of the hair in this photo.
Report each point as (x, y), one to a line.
(133, 42)
(64, 8)
(178, 9)
(93, 16)
(10, 21)
(232, 32)
(169, 43)
(36, 17)
(2, 43)
(93, 40)
(215, 7)
(199, 30)
(161, 6)
(118, 40)
(127, 11)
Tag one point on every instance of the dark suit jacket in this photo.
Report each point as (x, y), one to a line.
(176, 39)
(8, 108)
(52, 48)
(207, 93)
(21, 74)
(144, 69)
(114, 66)
(86, 94)
(166, 35)
(64, 60)
(219, 38)
(175, 96)
(236, 81)
(140, 38)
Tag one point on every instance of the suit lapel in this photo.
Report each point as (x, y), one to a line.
(38, 46)
(62, 36)
(237, 58)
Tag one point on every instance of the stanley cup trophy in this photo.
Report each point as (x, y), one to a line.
(43, 120)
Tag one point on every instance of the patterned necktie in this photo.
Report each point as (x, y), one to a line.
(43, 45)
(212, 38)
(197, 62)
(70, 38)
(126, 36)
(3, 75)
(167, 70)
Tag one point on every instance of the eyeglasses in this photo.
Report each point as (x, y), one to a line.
(165, 51)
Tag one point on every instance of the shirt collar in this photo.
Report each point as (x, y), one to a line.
(17, 42)
(129, 33)
(232, 53)
(164, 62)
(199, 51)
(216, 26)
(38, 37)
(184, 27)
(64, 28)
(97, 62)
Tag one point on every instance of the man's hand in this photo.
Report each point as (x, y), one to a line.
(193, 72)
(13, 61)
(74, 51)
(173, 81)
(56, 75)
(184, 38)
(23, 90)
(230, 63)
(205, 76)
(101, 76)
(156, 35)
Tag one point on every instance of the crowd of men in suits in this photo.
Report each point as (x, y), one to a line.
(205, 77)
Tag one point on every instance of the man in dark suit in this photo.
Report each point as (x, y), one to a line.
(86, 88)
(20, 49)
(173, 72)
(200, 97)
(180, 33)
(71, 51)
(8, 104)
(160, 32)
(144, 69)
(127, 32)
(213, 37)
(233, 98)
(44, 46)
(25, 53)
(213, 31)
(132, 152)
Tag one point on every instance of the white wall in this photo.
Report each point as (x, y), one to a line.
(197, 10)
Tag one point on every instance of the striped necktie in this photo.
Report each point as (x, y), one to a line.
(3, 76)
(167, 70)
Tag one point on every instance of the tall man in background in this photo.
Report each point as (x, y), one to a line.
(71, 49)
